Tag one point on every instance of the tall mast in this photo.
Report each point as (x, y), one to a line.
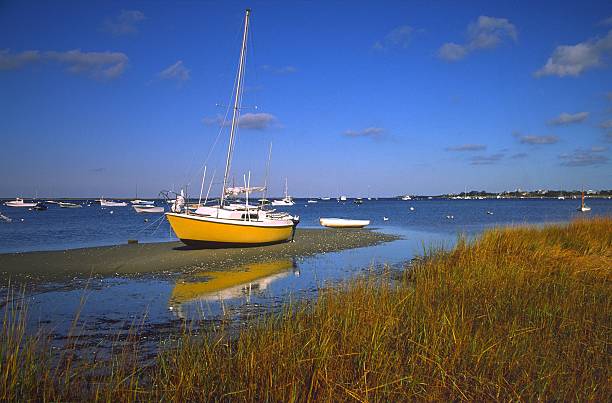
(286, 188)
(237, 98)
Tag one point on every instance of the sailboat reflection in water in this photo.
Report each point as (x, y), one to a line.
(218, 286)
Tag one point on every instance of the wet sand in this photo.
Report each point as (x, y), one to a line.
(175, 256)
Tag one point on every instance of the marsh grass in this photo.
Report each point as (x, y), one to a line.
(518, 313)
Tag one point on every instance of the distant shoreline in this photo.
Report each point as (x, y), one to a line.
(175, 257)
(567, 195)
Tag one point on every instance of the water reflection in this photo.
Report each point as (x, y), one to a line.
(242, 282)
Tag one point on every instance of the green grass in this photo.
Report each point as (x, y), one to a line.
(518, 314)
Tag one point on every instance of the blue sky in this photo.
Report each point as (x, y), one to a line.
(363, 99)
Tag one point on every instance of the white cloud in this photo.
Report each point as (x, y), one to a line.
(580, 157)
(256, 121)
(568, 118)
(177, 71)
(606, 124)
(536, 140)
(467, 147)
(607, 21)
(16, 61)
(373, 132)
(399, 37)
(279, 70)
(452, 52)
(484, 33)
(486, 159)
(95, 64)
(125, 23)
(248, 121)
(573, 60)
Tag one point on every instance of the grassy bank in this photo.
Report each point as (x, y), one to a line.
(519, 313)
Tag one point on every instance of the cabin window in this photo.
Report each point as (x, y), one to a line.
(249, 216)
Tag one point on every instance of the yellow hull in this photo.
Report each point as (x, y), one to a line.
(207, 231)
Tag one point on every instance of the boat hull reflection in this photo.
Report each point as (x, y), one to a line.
(240, 282)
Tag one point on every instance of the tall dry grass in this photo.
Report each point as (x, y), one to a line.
(517, 314)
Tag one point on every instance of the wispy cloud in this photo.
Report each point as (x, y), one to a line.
(16, 61)
(279, 70)
(399, 37)
(606, 22)
(467, 147)
(97, 170)
(484, 33)
(536, 140)
(107, 65)
(607, 127)
(606, 124)
(125, 23)
(486, 159)
(257, 121)
(573, 60)
(248, 121)
(518, 156)
(95, 64)
(177, 72)
(582, 157)
(372, 132)
(568, 118)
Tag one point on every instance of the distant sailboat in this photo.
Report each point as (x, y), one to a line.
(286, 201)
(583, 207)
(139, 202)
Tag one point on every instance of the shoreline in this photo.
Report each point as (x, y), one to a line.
(164, 257)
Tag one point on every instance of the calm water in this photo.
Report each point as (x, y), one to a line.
(160, 302)
(59, 228)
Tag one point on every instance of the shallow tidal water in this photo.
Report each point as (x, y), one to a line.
(156, 305)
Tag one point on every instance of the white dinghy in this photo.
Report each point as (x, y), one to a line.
(148, 208)
(343, 223)
(110, 203)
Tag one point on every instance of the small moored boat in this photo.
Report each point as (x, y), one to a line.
(69, 205)
(148, 208)
(139, 202)
(343, 223)
(110, 203)
(583, 207)
(18, 202)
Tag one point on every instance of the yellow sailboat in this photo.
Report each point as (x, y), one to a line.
(231, 224)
